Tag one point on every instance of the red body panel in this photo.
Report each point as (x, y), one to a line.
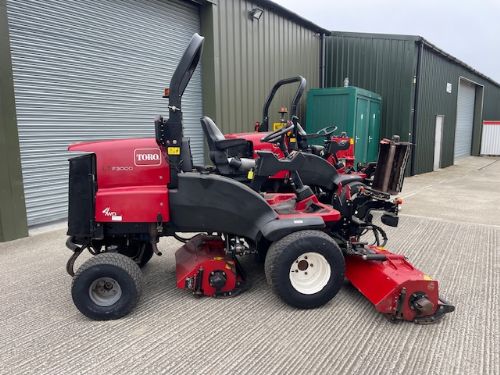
(204, 253)
(132, 178)
(348, 154)
(137, 204)
(381, 282)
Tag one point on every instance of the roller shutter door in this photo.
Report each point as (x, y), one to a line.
(93, 69)
(465, 119)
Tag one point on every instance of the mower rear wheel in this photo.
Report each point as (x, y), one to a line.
(305, 269)
(107, 286)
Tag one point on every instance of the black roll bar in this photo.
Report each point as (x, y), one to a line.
(170, 133)
(264, 126)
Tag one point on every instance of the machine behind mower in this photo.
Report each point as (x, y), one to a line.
(126, 194)
(337, 150)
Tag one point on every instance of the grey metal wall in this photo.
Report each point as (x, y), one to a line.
(86, 70)
(383, 64)
(436, 72)
(243, 58)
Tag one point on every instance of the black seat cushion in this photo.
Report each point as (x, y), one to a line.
(317, 149)
(222, 150)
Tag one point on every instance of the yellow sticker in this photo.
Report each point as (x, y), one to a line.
(250, 174)
(173, 150)
(278, 125)
(427, 277)
(293, 140)
(351, 141)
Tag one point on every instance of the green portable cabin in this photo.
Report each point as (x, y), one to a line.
(353, 110)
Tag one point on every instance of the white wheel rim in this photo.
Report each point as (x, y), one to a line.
(105, 291)
(310, 273)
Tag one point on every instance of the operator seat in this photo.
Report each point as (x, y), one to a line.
(231, 157)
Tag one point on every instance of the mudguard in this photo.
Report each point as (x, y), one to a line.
(213, 203)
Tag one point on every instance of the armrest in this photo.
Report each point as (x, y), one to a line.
(228, 143)
(268, 164)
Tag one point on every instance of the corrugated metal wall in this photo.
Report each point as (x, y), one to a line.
(91, 70)
(249, 56)
(387, 64)
(436, 72)
(381, 64)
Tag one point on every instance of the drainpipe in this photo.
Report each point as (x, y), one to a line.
(322, 60)
(415, 105)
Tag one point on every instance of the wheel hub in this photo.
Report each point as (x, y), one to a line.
(310, 273)
(105, 291)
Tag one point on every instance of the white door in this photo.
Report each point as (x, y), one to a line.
(94, 69)
(438, 141)
(465, 118)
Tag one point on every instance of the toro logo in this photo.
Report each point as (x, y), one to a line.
(147, 156)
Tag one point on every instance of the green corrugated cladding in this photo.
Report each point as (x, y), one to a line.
(436, 72)
(387, 64)
(243, 58)
(382, 65)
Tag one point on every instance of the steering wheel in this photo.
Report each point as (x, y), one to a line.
(276, 135)
(327, 131)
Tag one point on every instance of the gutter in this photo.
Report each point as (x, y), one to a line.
(281, 10)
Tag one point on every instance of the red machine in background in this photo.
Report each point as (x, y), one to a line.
(338, 150)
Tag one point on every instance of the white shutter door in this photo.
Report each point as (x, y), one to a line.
(465, 119)
(93, 69)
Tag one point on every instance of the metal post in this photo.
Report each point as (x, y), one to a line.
(13, 223)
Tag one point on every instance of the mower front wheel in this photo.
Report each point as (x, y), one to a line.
(305, 269)
(107, 286)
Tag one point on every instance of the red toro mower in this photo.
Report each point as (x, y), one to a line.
(125, 194)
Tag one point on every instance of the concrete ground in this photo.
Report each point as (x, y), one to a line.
(449, 228)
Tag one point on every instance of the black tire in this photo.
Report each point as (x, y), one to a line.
(283, 253)
(112, 268)
(134, 250)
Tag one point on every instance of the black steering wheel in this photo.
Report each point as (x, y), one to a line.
(276, 135)
(327, 131)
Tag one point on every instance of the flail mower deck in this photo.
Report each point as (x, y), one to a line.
(126, 194)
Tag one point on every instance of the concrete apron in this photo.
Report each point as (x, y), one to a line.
(466, 192)
(170, 331)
